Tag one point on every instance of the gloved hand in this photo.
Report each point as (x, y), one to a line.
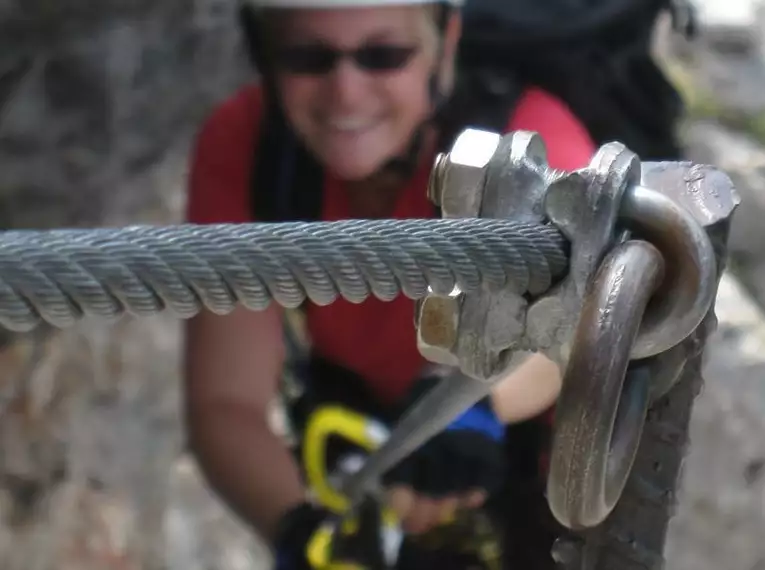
(296, 529)
(458, 468)
(356, 546)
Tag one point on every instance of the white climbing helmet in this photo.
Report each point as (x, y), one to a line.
(344, 3)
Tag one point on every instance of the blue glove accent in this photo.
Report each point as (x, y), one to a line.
(480, 418)
(283, 561)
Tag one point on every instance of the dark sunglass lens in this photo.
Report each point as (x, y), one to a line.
(307, 59)
(384, 58)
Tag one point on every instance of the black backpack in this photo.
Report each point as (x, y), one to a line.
(592, 54)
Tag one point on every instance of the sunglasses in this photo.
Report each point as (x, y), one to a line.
(318, 59)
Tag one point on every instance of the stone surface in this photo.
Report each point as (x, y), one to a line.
(743, 158)
(725, 89)
(725, 64)
(720, 520)
(98, 104)
(94, 95)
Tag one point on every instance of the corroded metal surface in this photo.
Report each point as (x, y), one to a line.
(603, 403)
(635, 533)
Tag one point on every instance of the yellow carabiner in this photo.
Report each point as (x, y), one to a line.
(319, 549)
(361, 430)
(328, 421)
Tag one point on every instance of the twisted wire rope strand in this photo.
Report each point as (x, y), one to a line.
(61, 276)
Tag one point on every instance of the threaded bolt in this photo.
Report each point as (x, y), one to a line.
(436, 180)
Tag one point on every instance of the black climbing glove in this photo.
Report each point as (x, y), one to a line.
(296, 529)
(468, 455)
(359, 548)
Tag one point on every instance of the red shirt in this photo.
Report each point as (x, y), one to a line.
(375, 339)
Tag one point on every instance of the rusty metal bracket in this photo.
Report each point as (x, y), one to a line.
(670, 205)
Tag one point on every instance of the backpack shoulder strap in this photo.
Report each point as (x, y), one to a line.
(286, 181)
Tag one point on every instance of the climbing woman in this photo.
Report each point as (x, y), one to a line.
(352, 101)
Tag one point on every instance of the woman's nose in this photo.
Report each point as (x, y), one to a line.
(348, 83)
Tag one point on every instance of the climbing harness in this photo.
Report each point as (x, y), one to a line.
(610, 270)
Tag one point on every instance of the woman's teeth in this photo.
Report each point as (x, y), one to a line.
(349, 124)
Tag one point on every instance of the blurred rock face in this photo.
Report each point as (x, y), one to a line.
(98, 104)
(95, 94)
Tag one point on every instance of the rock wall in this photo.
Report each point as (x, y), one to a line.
(96, 95)
(98, 104)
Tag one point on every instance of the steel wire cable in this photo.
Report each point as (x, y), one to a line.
(61, 276)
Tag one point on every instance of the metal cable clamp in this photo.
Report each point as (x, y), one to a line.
(642, 279)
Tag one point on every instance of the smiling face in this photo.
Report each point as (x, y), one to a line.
(354, 82)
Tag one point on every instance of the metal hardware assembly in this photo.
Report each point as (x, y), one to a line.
(610, 271)
(620, 307)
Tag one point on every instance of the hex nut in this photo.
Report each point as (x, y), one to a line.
(437, 327)
(456, 185)
(461, 173)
